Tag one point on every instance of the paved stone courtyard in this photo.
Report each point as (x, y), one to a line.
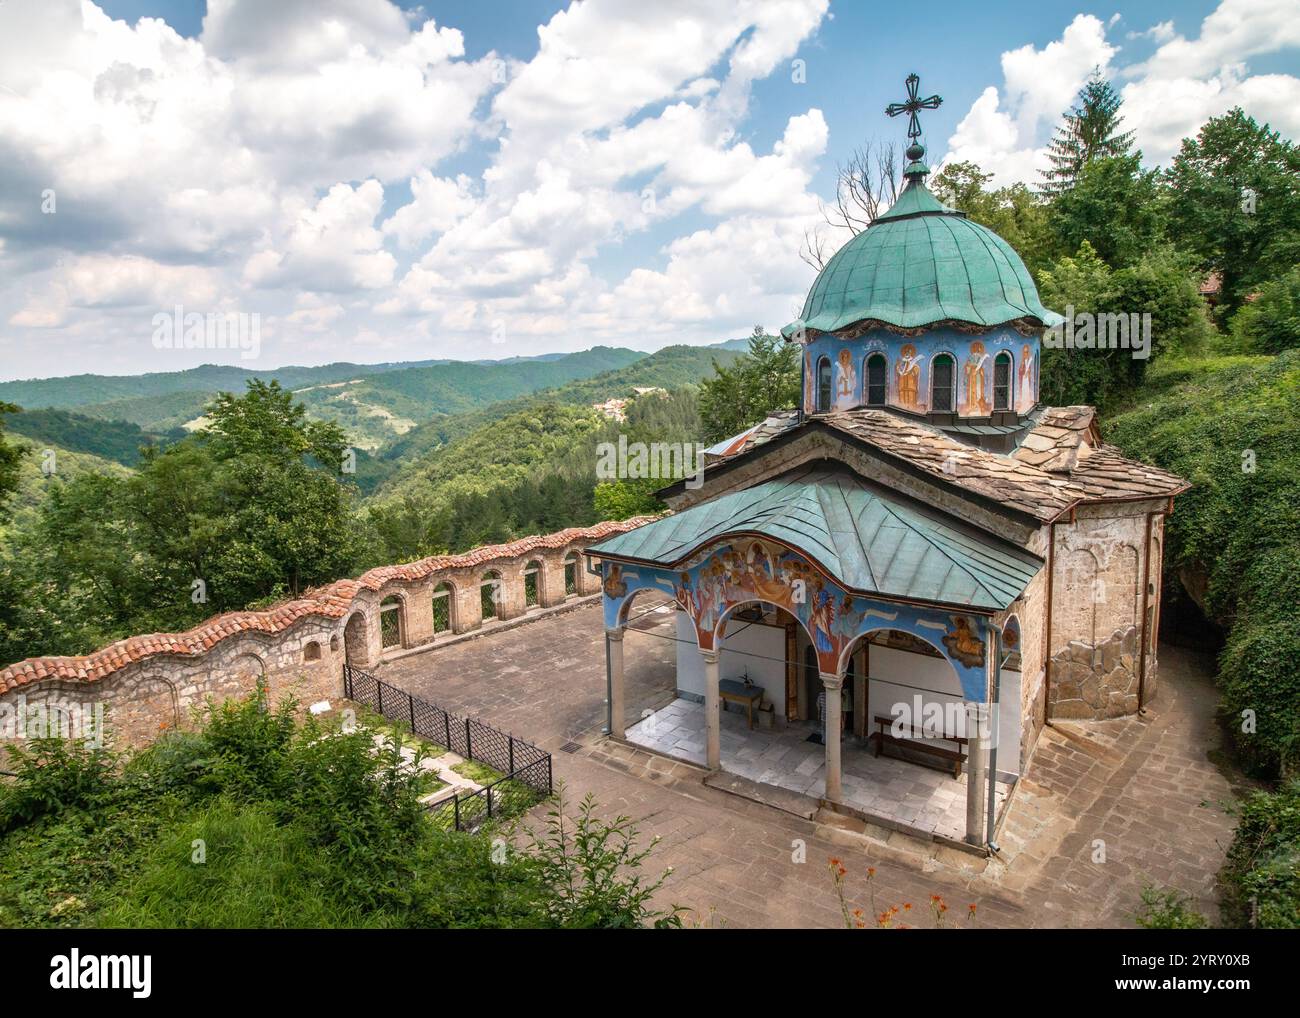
(1138, 793)
(925, 799)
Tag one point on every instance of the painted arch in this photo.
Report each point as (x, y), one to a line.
(740, 569)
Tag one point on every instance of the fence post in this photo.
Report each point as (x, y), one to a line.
(446, 728)
(410, 706)
(347, 681)
(455, 802)
(488, 797)
(469, 746)
(550, 786)
(512, 755)
(379, 697)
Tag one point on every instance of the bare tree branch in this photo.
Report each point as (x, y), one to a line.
(865, 186)
(813, 251)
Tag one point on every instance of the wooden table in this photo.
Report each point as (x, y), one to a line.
(737, 692)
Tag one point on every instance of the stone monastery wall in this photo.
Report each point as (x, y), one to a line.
(146, 684)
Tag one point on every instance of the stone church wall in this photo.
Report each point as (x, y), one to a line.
(144, 685)
(1097, 609)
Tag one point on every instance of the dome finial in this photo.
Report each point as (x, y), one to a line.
(916, 168)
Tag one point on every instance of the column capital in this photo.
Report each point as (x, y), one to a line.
(615, 634)
(710, 656)
(832, 682)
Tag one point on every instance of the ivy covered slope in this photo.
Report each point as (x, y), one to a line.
(1228, 425)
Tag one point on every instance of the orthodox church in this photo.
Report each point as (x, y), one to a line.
(882, 596)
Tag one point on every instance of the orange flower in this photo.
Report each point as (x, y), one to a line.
(972, 908)
(834, 862)
(907, 906)
(871, 871)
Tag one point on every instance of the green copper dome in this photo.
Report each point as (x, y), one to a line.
(918, 264)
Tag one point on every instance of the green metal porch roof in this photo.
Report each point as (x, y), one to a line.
(869, 541)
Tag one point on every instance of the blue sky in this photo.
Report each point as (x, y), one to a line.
(499, 178)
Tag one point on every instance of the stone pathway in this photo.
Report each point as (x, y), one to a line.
(441, 766)
(1144, 788)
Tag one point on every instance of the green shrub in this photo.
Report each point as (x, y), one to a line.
(1262, 876)
(1168, 909)
(591, 872)
(1271, 322)
(249, 743)
(262, 818)
(1258, 672)
(54, 775)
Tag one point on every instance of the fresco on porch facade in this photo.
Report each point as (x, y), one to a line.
(726, 575)
(907, 369)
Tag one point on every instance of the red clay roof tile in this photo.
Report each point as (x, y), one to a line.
(331, 602)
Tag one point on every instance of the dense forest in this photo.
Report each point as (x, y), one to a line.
(258, 500)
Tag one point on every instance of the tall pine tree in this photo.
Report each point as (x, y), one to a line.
(1090, 131)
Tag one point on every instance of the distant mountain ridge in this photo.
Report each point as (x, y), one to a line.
(377, 405)
(75, 391)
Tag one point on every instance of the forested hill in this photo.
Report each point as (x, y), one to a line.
(375, 409)
(373, 403)
(88, 390)
(670, 368)
(118, 441)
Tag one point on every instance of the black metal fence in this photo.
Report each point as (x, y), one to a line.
(525, 769)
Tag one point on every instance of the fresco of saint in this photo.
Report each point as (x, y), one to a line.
(821, 619)
(963, 642)
(977, 399)
(846, 379)
(614, 585)
(908, 370)
(1028, 395)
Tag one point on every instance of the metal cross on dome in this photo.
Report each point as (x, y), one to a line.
(912, 106)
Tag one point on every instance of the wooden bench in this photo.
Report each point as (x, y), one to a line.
(923, 742)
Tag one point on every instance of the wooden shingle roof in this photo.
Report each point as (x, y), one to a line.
(1058, 463)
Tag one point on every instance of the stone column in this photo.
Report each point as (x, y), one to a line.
(587, 583)
(614, 648)
(418, 607)
(977, 715)
(551, 582)
(712, 713)
(834, 733)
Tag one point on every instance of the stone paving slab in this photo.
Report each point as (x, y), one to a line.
(1144, 787)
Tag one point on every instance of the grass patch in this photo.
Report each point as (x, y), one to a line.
(477, 772)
